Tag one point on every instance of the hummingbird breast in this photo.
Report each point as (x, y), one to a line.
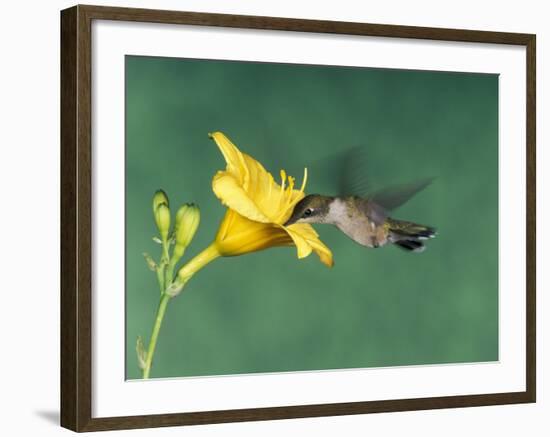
(359, 221)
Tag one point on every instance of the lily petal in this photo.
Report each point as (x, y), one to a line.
(302, 246)
(309, 234)
(238, 235)
(233, 156)
(234, 196)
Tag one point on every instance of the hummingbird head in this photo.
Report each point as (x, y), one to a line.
(313, 208)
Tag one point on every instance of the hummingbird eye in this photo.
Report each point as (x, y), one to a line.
(308, 212)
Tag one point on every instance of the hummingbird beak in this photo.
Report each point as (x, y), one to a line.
(290, 221)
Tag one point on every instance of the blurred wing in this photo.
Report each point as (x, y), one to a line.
(354, 179)
(395, 196)
(342, 173)
(346, 173)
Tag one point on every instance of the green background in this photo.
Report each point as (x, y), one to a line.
(269, 311)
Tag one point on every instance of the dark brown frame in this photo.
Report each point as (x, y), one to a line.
(76, 224)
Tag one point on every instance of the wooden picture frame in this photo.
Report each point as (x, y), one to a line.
(76, 217)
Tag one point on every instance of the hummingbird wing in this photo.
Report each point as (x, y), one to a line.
(394, 196)
(353, 165)
(346, 173)
(353, 170)
(342, 173)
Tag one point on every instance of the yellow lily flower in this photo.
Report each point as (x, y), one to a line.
(258, 207)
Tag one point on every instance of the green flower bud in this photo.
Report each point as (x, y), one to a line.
(187, 221)
(159, 197)
(179, 215)
(162, 218)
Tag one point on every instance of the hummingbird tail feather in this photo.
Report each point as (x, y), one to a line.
(408, 235)
(411, 245)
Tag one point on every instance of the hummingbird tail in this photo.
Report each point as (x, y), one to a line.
(411, 245)
(408, 235)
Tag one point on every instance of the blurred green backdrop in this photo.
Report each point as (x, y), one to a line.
(268, 311)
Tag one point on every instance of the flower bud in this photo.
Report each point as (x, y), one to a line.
(187, 222)
(159, 197)
(179, 215)
(162, 218)
(188, 217)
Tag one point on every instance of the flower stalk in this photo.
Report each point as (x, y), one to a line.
(155, 334)
(185, 273)
(185, 226)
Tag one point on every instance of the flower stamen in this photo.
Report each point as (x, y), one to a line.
(283, 178)
(303, 187)
(291, 181)
(290, 189)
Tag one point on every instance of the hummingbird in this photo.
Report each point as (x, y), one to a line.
(366, 219)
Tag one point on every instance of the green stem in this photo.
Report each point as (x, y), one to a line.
(165, 254)
(185, 273)
(160, 278)
(177, 253)
(165, 260)
(170, 272)
(155, 334)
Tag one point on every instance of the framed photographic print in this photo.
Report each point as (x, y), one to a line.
(268, 218)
